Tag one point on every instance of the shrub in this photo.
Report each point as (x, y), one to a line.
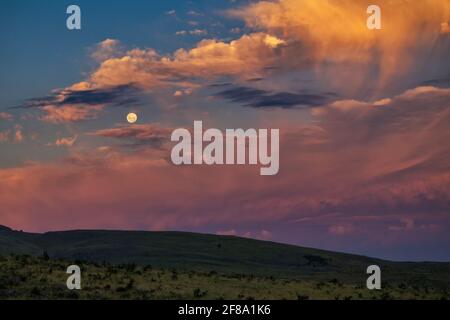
(198, 293)
(45, 256)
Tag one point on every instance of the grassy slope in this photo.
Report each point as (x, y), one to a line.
(25, 277)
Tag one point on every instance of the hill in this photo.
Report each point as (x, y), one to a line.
(213, 253)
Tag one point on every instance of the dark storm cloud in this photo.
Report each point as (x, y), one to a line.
(255, 79)
(218, 85)
(438, 83)
(117, 96)
(258, 98)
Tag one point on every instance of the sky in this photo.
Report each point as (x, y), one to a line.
(363, 117)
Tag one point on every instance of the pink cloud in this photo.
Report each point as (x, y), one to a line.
(407, 224)
(66, 142)
(70, 113)
(355, 172)
(4, 136)
(140, 132)
(231, 232)
(6, 116)
(18, 134)
(341, 229)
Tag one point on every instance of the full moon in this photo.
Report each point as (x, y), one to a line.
(132, 117)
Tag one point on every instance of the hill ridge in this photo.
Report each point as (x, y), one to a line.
(208, 252)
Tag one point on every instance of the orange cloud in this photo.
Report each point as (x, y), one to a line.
(209, 59)
(18, 134)
(323, 38)
(324, 32)
(445, 28)
(106, 49)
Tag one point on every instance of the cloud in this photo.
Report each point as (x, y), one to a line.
(337, 30)
(262, 99)
(18, 135)
(83, 94)
(370, 160)
(352, 160)
(107, 49)
(194, 13)
(180, 93)
(331, 37)
(140, 133)
(69, 113)
(12, 135)
(193, 23)
(66, 142)
(439, 83)
(407, 225)
(341, 229)
(82, 102)
(235, 30)
(208, 59)
(445, 28)
(6, 116)
(196, 32)
(231, 232)
(4, 136)
(120, 95)
(325, 43)
(363, 165)
(265, 234)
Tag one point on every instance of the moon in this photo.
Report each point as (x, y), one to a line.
(132, 117)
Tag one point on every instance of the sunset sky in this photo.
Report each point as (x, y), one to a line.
(364, 119)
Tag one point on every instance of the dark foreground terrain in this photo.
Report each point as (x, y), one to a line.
(177, 265)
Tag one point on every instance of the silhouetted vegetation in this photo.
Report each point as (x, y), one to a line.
(27, 277)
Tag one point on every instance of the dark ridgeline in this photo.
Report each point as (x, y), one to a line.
(214, 253)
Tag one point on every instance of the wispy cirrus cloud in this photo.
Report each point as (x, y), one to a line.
(137, 132)
(195, 32)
